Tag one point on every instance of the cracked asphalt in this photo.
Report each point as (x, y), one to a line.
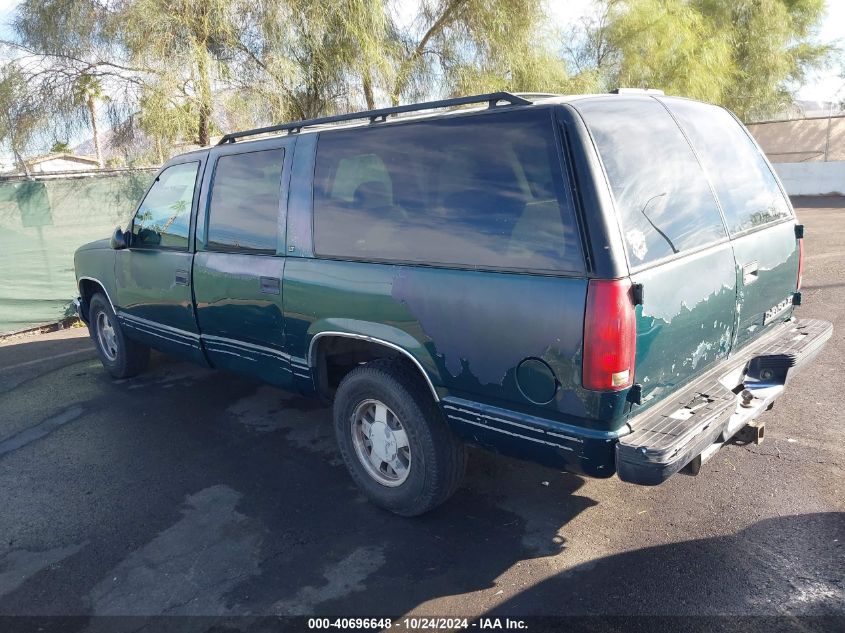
(187, 491)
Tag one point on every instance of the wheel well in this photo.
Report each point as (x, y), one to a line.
(336, 356)
(88, 288)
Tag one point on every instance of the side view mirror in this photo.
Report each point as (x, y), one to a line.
(119, 240)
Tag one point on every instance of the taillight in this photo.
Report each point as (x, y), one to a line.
(610, 336)
(800, 262)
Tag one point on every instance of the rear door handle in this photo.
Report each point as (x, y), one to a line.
(183, 277)
(750, 273)
(270, 285)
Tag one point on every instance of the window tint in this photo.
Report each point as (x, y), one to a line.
(245, 195)
(662, 196)
(482, 191)
(164, 216)
(744, 184)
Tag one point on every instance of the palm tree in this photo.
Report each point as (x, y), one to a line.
(87, 91)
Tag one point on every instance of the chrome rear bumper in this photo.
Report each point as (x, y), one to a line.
(700, 418)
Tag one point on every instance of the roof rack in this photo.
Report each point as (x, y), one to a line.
(380, 115)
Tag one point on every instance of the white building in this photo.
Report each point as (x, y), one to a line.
(62, 162)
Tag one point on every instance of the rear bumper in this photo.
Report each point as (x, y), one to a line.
(704, 415)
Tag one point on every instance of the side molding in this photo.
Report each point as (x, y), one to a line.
(312, 351)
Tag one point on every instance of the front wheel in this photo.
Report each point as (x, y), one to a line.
(121, 357)
(394, 440)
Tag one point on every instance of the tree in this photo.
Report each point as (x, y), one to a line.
(181, 69)
(773, 48)
(749, 55)
(129, 48)
(87, 91)
(301, 57)
(183, 44)
(586, 44)
(473, 46)
(70, 52)
(671, 45)
(21, 114)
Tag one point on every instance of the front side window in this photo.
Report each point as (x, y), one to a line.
(244, 211)
(664, 201)
(749, 194)
(164, 217)
(483, 191)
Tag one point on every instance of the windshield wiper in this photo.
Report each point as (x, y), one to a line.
(654, 226)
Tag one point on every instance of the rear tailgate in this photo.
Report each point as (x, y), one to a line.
(767, 262)
(757, 213)
(676, 244)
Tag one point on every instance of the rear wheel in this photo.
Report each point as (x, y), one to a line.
(394, 439)
(121, 357)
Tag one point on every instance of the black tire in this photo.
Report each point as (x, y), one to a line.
(438, 458)
(127, 358)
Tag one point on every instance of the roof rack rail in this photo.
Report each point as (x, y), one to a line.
(637, 91)
(380, 115)
(538, 95)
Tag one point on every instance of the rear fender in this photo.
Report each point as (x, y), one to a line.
(387, 336)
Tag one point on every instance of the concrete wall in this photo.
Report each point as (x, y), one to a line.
(808, 154)
(812, 178)
(802, 140)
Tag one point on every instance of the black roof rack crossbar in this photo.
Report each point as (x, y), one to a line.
(379, 115)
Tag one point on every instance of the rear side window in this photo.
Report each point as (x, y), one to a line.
(664, 201)
(243, 214)
(483, 191)
(744, 184)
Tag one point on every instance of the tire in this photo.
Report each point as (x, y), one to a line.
(435, 459)
(121, 357)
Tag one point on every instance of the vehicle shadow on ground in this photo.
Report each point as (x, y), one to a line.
(786, 566)
(202, 493)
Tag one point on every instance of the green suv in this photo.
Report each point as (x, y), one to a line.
(603, 284)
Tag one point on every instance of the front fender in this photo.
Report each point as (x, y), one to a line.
(95, 266)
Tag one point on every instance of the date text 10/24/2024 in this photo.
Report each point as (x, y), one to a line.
(416, 624)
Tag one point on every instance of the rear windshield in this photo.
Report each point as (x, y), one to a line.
(481, 191)
(664, 201)
(747, 190)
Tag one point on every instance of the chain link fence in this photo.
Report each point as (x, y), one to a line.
(816, 139)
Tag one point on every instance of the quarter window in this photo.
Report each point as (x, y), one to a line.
(481, 191)
(164, 217)
(747, 190)
(244, 211)
(664, 201)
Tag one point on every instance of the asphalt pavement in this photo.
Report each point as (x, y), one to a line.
(187, 491)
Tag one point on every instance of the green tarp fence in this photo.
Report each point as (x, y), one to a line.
(42, 223)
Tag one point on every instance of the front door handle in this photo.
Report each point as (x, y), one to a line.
(750, 273)
(270, 285)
